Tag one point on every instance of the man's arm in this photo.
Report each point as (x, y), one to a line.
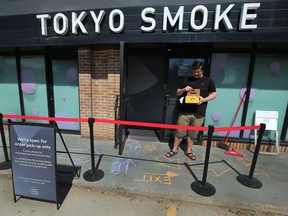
(180, 91)
(211, 96)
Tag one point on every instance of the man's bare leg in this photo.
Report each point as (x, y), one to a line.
(190, 143)
(188, 152)
(174, 150)
(176, 143)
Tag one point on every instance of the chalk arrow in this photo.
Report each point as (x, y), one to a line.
(134, 146)
(127, 163)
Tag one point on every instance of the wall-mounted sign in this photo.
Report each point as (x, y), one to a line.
(198, 19)
(185, 23)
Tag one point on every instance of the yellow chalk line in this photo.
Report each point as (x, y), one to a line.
(171, 211)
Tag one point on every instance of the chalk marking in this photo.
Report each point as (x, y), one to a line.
(171, 211)
(150, 147)
(117, 164)
(172, 166)
(134, 146)
(158, 178)
(127, 163)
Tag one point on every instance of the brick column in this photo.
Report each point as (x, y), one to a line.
(85, 87)
(105, 87)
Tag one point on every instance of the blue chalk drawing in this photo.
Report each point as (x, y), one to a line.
(117, 164)
(134, 146)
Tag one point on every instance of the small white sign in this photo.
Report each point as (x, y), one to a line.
(270, 118)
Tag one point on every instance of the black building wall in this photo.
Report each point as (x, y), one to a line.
(19, 26)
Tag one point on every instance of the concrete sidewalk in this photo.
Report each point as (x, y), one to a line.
(143, 169)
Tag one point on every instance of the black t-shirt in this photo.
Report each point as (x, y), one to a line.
(206, 86)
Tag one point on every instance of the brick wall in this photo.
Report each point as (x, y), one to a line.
(99, 81)
(85, 87)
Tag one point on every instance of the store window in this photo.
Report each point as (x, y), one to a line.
(66, 92)
(269, 88)
(10, 103)
(33, 86)
(179, 70)
(230, 74)
(29, 90)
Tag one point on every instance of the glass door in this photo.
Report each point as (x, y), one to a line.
(10, 100)
(122, 129)
(33, 86)
(179, 70)
(66, 92)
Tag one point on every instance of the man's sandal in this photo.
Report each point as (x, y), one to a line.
(190, 156)
(171, 154)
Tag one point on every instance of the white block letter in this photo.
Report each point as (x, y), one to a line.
(43, 18)
(112, 15)
(178, 16)
(97, 20)
(245, 16)
(148, 19)
(204, 12)
(77, 22)
(219, 17)
(56, 20)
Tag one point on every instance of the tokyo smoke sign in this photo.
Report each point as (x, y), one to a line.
(76, 22)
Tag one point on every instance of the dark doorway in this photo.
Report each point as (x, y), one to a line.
(153, 76)
(145, 87)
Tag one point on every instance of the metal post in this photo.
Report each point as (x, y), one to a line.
(7, 163)
(250, 181)
(94, 174)
(204, 188)
(116, 133)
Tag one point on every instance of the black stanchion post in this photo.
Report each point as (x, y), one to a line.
(250, 181)
(204, 188)
(7, 163)
(116, 126)
(94, 174)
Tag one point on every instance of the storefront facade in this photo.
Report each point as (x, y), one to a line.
(73, 62)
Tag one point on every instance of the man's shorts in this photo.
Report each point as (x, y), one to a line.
(189, 119)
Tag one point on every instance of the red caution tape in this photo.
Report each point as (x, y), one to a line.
(154, 125)
(42, 118)
(132, 123)
(237, 128)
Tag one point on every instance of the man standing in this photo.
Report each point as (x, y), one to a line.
(193, 114)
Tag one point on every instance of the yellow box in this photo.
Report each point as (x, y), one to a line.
(193, 97)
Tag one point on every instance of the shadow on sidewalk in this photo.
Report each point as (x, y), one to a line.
(65, 176)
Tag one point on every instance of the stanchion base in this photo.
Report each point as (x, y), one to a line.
(204, 190)
(95, 175)
(5, 165)
(252, 183)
